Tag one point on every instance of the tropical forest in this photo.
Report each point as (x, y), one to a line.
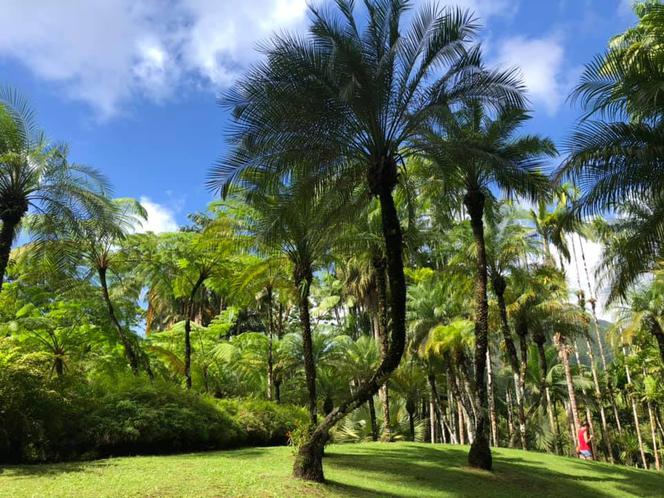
(399, 286)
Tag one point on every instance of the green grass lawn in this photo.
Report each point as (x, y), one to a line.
(365, 470)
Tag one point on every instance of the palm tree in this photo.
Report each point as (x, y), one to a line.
(345, 104)
(36, 176)
(474, 153)
(299, 223)
(617, 161)
(507, 244)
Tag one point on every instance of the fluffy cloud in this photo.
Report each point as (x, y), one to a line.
(104, 52)
(160, 218)
(541, 62)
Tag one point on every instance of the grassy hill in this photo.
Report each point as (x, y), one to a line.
(371, 470)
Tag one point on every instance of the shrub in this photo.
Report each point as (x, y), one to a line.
(63, 419)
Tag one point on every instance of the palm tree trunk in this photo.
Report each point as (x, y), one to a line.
(372, 418)
(563, 350)
(499, 284)
(522, 332)
(653, 431)
(480, 451)
(553, 421)
(492, 400)
(410, 408)
(130, 354)
(303, 278)
(598, 397)
(309, 460)
(635, 413)
(450, 413)
(270, 346)
(7, 234)
(383, 340)
(432, 421)
(187, 328)
(510, 419)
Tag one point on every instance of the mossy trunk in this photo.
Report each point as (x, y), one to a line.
(480, 450)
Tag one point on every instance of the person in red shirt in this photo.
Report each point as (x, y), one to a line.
(584, 449)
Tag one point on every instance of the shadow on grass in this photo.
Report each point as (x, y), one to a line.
(406, 470)
(97, 466)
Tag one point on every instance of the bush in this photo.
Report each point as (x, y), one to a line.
(50, 420)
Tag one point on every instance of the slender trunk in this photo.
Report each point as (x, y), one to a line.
(450, 413)
(635, 413)
(187, 327)
(435, 401)
(510, 419)
(309, 460)
(553, 422)
(372, 418)
(270, 346)
(7, 234)
(492, 400)
(563, 350)
(522, 332)
(600, 402)
(432, 421)
(461, 422)
(480, 451)
(130, 354)
(410, 408)
(653, 431)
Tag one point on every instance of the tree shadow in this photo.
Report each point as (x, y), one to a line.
(442, 470)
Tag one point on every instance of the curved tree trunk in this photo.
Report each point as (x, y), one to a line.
(309, 460)
(598, 397)
(130, 354)
(187, 328)
(480, 450)
(7, 234)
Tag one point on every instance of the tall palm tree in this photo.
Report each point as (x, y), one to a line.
(345, 103)
(36, 176)
(615, 153)
(299, 222)
(475, 152)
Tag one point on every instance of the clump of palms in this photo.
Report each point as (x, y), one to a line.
(345, 104)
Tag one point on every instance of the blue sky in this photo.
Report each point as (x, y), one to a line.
(131, 85)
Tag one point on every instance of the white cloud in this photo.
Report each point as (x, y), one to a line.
(541, 62)
(104, 52)
(160, 218)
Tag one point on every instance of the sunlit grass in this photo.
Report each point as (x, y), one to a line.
(371, 470)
